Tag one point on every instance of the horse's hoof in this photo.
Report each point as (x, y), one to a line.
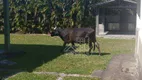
(88, 54)
(62, 52)
(74, 52)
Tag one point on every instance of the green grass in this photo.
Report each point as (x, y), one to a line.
(43, 54)
(30, 76)
(80, 78)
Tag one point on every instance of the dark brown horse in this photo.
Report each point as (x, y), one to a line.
(73, 35)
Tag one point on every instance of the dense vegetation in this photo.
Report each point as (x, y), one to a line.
(40, 16)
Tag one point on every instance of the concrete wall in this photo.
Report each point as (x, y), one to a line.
(138, 50)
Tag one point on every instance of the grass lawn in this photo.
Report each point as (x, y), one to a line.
(30, 76)
(43, 54)
(79, 78)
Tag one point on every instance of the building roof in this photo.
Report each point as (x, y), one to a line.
(113, 1)
(131, 1)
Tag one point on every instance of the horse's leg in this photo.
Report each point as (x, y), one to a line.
(98, 46)
(64, 45)
(94, 46)
(73, 45)
(90, 46)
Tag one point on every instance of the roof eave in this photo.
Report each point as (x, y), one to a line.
(105, 2)
(131, 1)
(109, 1)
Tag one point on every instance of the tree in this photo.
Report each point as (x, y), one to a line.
(40, 16)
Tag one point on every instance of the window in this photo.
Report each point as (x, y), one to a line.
(131, 27)
(113, 26)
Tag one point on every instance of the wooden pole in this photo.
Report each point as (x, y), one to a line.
(6, 25)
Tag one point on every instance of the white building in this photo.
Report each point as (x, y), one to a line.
(138, 52)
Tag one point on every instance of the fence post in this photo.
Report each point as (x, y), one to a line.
(6, 25)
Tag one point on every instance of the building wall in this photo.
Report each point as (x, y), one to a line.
(112, 24)
(138, 50)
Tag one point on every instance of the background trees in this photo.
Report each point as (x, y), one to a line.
(40, 16)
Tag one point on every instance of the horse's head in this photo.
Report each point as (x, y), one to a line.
(55, 32)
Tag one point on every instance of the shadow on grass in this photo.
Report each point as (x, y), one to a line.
(35, 56)
(102, 54)
(86, 53)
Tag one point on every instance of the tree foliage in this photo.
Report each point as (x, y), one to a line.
(40, 16)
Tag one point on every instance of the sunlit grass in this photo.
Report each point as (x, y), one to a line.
(31, 76)
(80, 78)
(43, 54)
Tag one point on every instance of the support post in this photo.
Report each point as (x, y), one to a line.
(123, 21)
(6, 26)
(97, 21)
(102, 23)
